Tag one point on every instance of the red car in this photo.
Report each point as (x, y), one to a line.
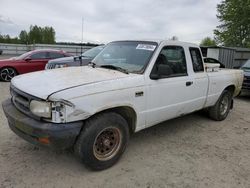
(28, 62)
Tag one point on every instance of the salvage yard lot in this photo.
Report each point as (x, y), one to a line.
(191, 151)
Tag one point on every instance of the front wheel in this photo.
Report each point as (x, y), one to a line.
(102, 140)
(6, 74)
(221, 109)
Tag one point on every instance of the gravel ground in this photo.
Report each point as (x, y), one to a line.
(191, 151)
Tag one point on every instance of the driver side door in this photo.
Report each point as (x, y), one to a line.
(168, 95)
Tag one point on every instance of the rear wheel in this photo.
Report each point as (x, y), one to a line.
(102, 140)
(6, 74)
(221, 109)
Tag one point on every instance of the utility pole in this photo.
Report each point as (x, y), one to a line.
(82, 35)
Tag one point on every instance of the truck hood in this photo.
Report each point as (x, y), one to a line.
(42, 84)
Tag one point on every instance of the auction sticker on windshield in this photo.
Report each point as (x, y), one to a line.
(146, 47)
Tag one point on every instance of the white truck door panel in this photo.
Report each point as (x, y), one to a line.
(199, 91)
(167, 98)
(182, 91)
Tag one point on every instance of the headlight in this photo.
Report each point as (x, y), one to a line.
(41, 108)
(60, 65)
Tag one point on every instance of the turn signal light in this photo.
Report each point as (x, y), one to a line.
(44, 140)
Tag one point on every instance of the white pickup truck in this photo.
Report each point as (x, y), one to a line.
(129, 86)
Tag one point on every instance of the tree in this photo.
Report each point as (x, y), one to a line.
(48, 35)
(208, 42)
(24, 37)
(35, 34)
(234, 16)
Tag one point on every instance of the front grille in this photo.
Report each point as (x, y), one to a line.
(22, 100)
(50, 66)
(246, 82)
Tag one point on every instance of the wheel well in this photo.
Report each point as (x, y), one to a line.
(230, 88)
(127, 113)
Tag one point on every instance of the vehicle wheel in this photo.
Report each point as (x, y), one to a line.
(6, 74)
(102, 140)
(221, 109)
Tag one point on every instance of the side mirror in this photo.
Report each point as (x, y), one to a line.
(162, 70)
(27, 59)
(154, 76)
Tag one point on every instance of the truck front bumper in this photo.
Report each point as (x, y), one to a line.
(54, 135)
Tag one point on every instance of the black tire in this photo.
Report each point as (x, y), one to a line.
(222, 107)
(7, 73)
(96, 139)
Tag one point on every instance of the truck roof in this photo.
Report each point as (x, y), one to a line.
(159, 41)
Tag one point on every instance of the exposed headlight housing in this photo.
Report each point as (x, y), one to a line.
(59, 111)
(60, 65)
(41, 108)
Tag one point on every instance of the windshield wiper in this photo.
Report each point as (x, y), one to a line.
(114, 68)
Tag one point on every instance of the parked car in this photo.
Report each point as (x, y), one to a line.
(246, 82)
(129, 86)
(28, 62)
(81, 60)
(212, 60)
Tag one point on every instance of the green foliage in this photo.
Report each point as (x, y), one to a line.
(234, 16)
(8, 39)
(208, 42)
(36, 34)
(24, 37)
(42, 35)
(48, 35)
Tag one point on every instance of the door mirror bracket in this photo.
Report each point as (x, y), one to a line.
(27, 59)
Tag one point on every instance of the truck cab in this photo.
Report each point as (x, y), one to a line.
(129, 86)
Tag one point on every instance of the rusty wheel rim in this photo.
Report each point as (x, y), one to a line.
(224, 105)
(107, 143)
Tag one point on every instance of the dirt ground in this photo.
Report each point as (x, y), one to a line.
(191, 151)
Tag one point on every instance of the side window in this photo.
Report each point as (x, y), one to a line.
(39, 55)
(209, 60)
(171, 62)
(54, 55)
(196, 59)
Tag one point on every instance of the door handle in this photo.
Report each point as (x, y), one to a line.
(189, 83)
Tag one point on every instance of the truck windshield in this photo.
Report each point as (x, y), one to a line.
(246, 65)
(131, 56)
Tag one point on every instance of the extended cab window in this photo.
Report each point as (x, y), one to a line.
(39, 55)
(196, 59)
(170, 62)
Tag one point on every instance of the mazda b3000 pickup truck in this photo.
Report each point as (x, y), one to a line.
(129, 86)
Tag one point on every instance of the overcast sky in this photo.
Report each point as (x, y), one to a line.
(107, 20)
